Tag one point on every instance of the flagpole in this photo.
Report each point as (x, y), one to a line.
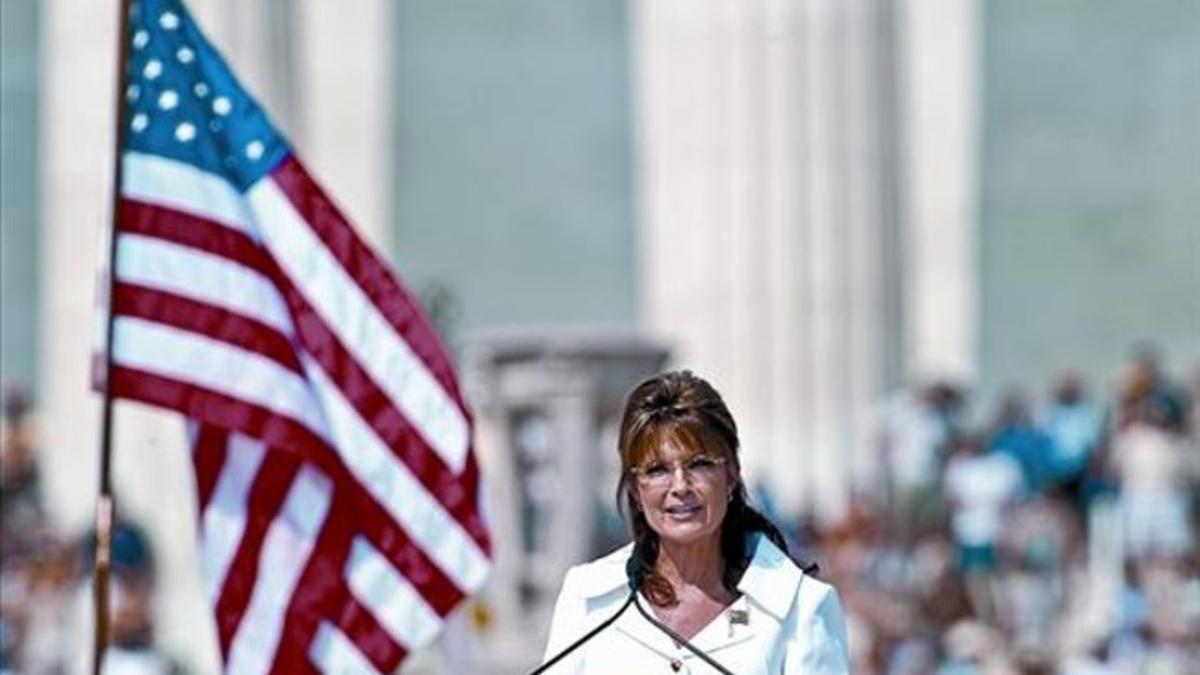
(104, 502)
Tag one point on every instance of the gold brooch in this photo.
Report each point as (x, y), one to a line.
(739, 616)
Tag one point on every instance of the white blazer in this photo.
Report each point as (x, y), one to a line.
(792, 624)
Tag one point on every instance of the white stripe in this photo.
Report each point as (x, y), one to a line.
(182, 187)
(285, 552)
(224, 520)
(370, 339)
(391, 598)
(332, 652)
(215, 365)
(387, 479)
(201, 276)
(401, 374)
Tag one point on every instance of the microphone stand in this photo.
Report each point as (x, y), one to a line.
(579, 643)
(679, 639)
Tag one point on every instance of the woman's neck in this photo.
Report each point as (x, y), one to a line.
(697, 564)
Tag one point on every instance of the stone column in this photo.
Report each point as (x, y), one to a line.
(939, 50)
(345, 94)
(152, 473)
(152, 477)
(761, 222)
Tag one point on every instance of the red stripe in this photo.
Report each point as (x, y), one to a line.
(409, 559)
(208, 455)
(320, 587)
(456, 492)
(205, 319)
(205, 405)
(199, 233)
(277, 432)
(372, 275)
(372, 639)
(266, 496)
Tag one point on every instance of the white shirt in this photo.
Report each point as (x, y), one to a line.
(981, 487)
(792, 624)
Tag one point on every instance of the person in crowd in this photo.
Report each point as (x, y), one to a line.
(980, 486)
(1155, 480)
(132, 648)
(1073, 424)
(916, 425)
(1040, 544)
(36, 565)
(704, 562)
(21, 509)
(1015, 435)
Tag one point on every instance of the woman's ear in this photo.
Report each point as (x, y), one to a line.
(731, 475)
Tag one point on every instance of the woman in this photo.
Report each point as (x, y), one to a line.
(712, 568)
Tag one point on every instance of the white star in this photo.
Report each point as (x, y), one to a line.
(139, 123)
(254, 150)
(169, 20)
(140, 39)
(132, 92)
(168, 99)
(185, 55)
(153, 69)
(185, 132)
(222, 106)
(200, 89)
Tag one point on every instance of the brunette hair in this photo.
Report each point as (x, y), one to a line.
(680, 405)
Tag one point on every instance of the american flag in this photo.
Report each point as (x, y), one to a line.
(338, 491)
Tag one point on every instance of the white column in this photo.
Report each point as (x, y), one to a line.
(261, 42)
(741, 168)
(335, 98)
(76, 144)
(761, 224)
(784, 149)
(679, 240)
(344, 86)
(152, 474)
(940, 52)
(865, 215)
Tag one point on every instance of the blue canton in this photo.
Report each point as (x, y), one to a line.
(182, 101)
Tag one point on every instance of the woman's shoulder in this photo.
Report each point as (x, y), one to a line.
(776, 582)
(600, 576)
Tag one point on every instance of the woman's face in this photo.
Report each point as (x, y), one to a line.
(684, 494)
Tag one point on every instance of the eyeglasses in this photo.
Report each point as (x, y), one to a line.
(703, 468)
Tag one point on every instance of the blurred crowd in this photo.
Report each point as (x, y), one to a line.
(45, 575)
(1056, 537)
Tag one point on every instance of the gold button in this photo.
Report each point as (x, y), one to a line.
(676, 665)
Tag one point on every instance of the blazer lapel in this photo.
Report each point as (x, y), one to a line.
(771, 580)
